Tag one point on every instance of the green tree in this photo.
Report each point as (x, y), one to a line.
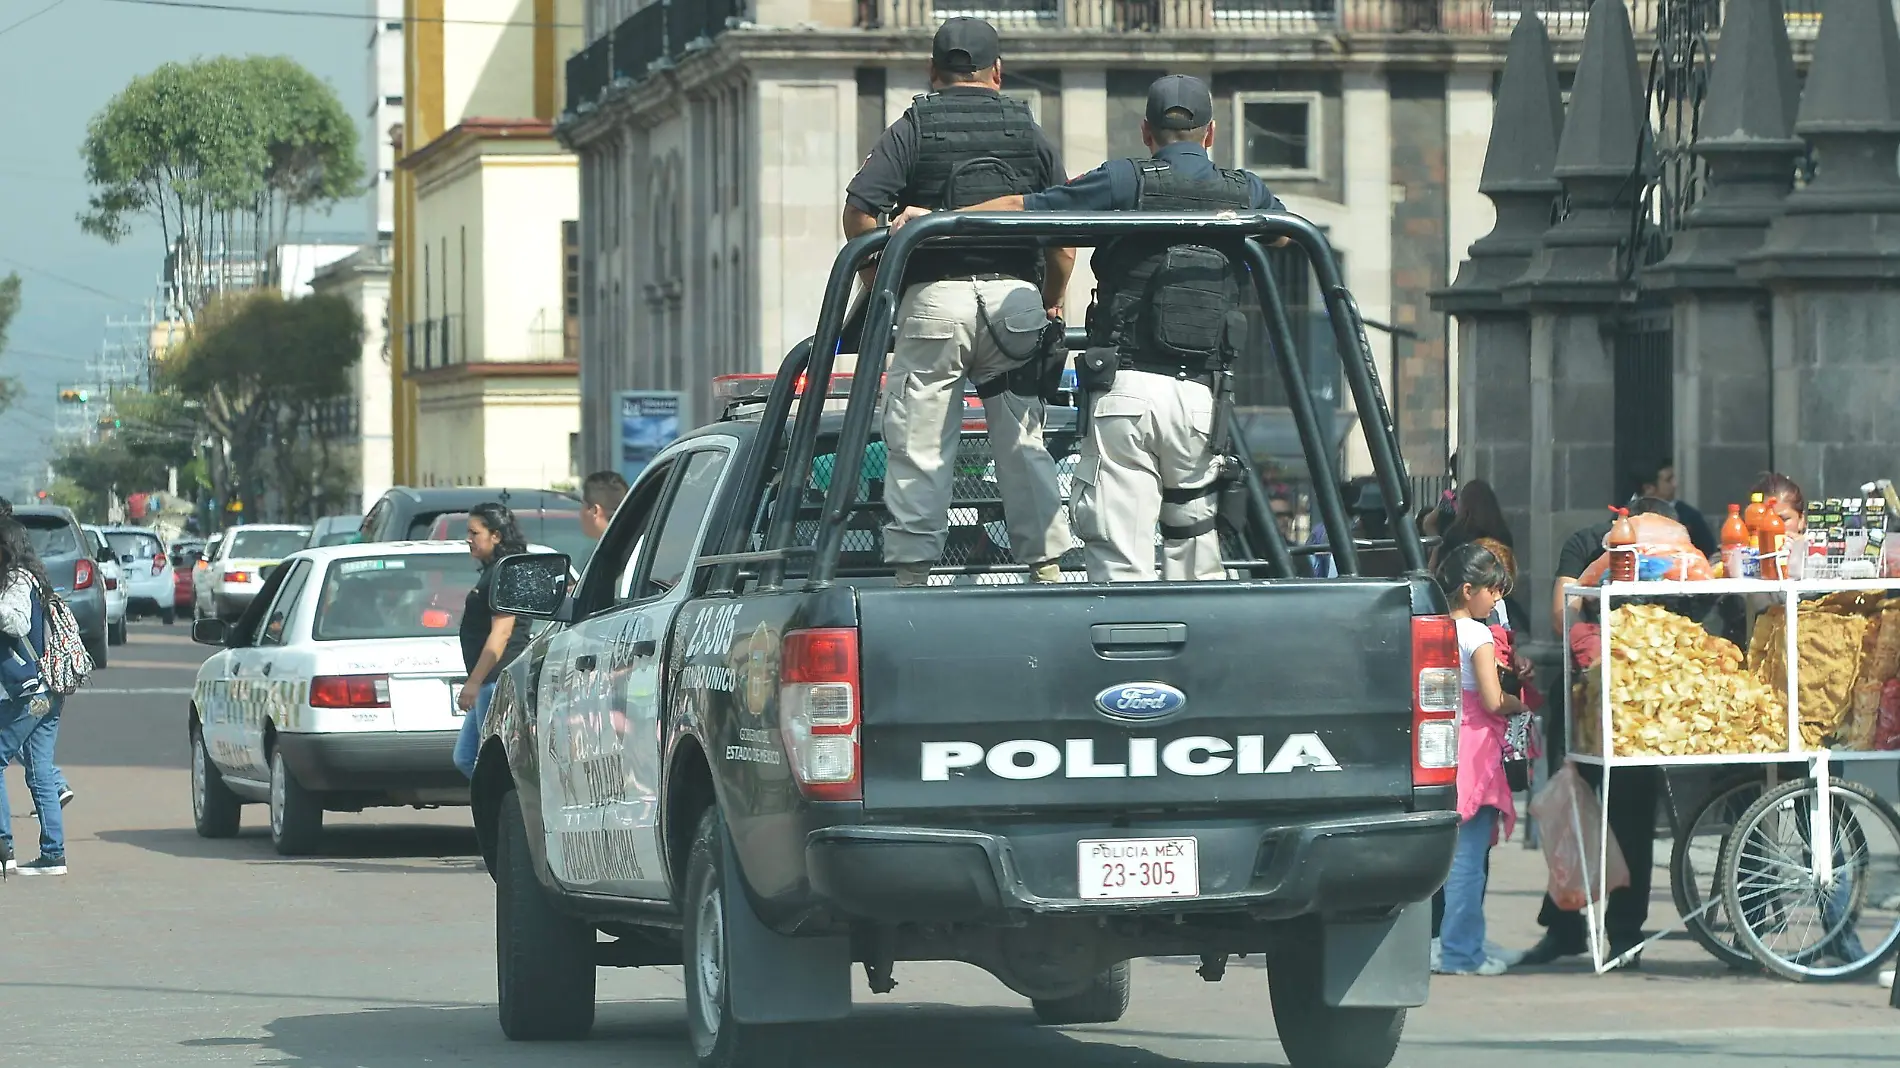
(222, 153)
(9, 304)
(259, 366)
(155, 436)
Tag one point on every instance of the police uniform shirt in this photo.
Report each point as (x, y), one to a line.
(886, 171)
(1113, 186)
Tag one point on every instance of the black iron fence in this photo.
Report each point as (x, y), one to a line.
(655, 34)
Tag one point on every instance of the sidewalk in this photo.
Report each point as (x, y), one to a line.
(1679, 987)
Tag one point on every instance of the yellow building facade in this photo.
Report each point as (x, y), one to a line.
(484, 379)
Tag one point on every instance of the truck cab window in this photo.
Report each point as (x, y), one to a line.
(677, 542)
(616, 560)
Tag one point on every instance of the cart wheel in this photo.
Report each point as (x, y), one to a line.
(1794, 925)
(1696, 859)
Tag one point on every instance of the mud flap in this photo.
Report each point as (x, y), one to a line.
(1381, 965)
(775, 979)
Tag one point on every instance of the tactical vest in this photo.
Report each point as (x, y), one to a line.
(1164, 306)
(971, 147)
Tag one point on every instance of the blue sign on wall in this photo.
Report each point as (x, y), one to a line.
(650, 420)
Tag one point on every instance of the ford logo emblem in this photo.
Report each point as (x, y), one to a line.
(1140, 701)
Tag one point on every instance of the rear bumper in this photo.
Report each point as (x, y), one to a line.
(374, 762)
(1350, 864)
(232, 603)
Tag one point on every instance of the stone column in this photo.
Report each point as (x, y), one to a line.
(1494, 339)
(1832, 261)
(1721, 337)
(1574, 287)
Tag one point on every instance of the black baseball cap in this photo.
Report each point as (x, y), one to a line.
(965, 45)
(1185, 93)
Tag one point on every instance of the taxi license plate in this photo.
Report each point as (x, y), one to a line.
(1138, 867)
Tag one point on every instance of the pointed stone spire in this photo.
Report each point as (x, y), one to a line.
(1602, 162)
(1846, 222)
(1518, 162)
(1747, 139)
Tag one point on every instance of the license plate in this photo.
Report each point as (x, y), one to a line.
(1138, 867)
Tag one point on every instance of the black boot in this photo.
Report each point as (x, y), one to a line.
(1553, 947)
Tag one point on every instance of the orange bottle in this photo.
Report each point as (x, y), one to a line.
(1757, 507)
(1770, 541)
(1735, 541)
(1622, 547)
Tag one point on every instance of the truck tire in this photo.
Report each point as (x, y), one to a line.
(1103, 1002)
(544, 958)
(215, 810)
(719, 1040)
(1316, 1035)
(296, 814)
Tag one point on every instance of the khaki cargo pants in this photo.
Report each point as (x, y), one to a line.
(1148, 433)
(941, 340)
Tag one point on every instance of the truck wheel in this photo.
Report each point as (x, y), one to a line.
(296, 816)
(544, 959)
(215, 810)
(1316, 1035)
(1104, 1001)
(719, 1041)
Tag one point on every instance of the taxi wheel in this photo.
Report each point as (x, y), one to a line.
(544, 958)
(1104, 1001)
(296, 818)
(215, 810)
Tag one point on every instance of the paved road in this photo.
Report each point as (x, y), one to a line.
(165, 949)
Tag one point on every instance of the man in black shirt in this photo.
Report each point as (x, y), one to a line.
(1160, 318)
(975, 313)
(1632, 809)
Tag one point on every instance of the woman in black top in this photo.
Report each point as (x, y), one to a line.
(489, 639)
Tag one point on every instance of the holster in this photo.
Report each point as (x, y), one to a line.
(1095, 369)
(1040, 376)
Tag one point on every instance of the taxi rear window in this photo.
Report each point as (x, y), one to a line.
(393, 597)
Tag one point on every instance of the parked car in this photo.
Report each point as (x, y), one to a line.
(230, 575)
(63, 548)
(560, 528)
(147, 578)
(406, 513)
(334, 691)
(335, 530)
(112, 580)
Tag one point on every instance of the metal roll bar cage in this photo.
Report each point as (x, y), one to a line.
(1242, 234)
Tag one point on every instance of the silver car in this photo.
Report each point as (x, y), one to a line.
(61, 546)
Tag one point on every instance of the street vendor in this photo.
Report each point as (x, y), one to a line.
(1632, 807)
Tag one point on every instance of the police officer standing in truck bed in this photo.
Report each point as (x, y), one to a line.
(975, 313)
(1161, 335)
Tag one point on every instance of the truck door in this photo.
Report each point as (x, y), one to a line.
(602, 687)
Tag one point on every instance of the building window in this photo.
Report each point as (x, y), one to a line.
(393, 100)
(570, 290)
(1279, 133)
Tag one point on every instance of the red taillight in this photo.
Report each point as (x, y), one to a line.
(83, 575)
(237, 576)
(818, 712)
(1437, 700)
(158, 565)
(111, 583)
(349, 691)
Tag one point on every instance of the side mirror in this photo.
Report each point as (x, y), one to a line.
(208, 631)
(105, 556)
(530, 584)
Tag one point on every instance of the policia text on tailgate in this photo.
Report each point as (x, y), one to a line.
(742, 747)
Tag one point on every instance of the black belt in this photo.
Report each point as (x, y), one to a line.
(993, 276)
(1170, 370)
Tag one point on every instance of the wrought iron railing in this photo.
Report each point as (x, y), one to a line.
(589, 72)
(640, 42)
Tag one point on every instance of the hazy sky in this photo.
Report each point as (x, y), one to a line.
(56, 71)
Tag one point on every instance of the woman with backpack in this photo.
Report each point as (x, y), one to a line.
(29, 704)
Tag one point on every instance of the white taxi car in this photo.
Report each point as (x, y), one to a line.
(112, 577)
(236, 564)
(335, 691)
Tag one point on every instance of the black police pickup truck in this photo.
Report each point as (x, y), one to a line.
(740, 747)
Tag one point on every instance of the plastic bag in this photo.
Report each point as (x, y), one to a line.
(1566, 806)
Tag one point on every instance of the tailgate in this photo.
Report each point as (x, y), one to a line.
(1177, 696)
